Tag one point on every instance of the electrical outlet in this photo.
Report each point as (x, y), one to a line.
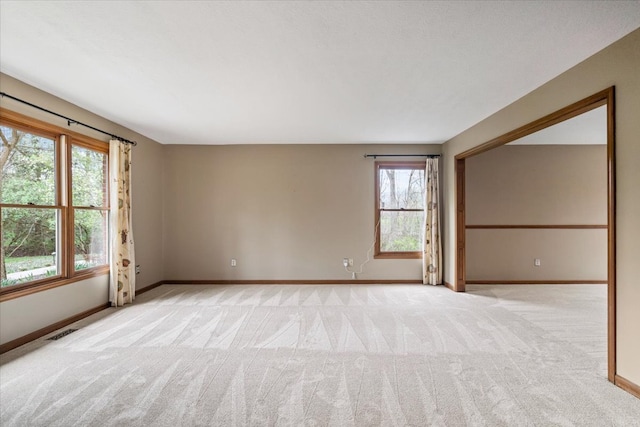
(350, 262)
(233, 262)
(536, 262)
(138, 269)
(345, 262)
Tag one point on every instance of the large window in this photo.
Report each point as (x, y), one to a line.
(399, 214)
(53, 205)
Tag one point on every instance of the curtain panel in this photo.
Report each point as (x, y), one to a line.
(122, 283)
(432, 256)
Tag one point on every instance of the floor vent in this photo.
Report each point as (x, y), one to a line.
(61, 334)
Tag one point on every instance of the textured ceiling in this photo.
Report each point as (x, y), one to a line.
(301, 72)
(588, 128)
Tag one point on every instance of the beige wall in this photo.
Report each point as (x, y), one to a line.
(616, 65)
(574, 255)
(537, 185)
(283, 211)
(24, 315)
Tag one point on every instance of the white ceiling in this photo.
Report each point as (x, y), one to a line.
(588, 128)
(187, 72)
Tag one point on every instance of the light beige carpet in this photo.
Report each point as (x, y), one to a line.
(393, 355)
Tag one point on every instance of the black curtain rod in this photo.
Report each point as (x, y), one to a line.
(69, 120)
(375, 156)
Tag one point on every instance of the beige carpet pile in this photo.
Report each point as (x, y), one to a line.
(392, 355)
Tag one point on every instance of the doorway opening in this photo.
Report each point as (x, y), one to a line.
(603, 98)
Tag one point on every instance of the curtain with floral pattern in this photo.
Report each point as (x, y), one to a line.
(432, 256)
(122, 286)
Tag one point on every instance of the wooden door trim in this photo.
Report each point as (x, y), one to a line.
(461, 274)
(536, 227)
(587, 104)
(604, 97)
(611, 234)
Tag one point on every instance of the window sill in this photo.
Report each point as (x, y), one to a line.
(398, 255)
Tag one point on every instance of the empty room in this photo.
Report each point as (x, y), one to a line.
(319, 213)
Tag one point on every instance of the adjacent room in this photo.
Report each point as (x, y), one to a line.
(319, 213)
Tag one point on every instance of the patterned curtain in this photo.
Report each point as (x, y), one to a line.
(122, 286)
(432, 256)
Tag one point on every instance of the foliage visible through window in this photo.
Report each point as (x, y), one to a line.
(399, 208)
(30, 225)
(90, 212)
(34, 213)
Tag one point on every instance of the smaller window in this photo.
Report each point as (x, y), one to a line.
(399, 213)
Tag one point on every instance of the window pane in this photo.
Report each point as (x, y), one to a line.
(401, 188)
(88, 177)
(90, 238)
(401, 231)
(29, 244)
(28, 173)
